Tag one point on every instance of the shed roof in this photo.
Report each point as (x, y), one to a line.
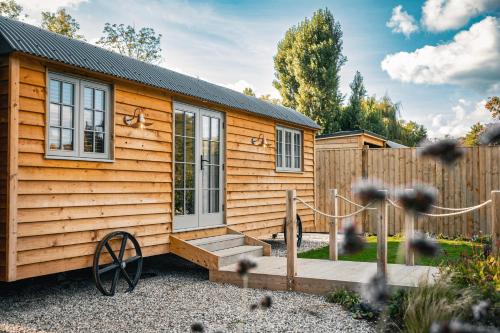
(350, 133)
(17, 36)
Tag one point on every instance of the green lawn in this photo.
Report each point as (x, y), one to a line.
(395, 247)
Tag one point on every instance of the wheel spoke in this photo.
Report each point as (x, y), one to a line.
(122, 248)
(108, 268)
(132, 259)
(112, 253)
(129, 280)
(115, 281)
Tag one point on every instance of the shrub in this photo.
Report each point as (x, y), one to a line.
(351, 301)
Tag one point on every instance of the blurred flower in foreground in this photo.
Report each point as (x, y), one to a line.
(368, 192)
(376, 291)
(480, 309)
(245, 264)
(446, 151)
(419, 200)
(352, 243)
(491, 136)
(423, 245)
(265, 303)
(197, 327)
(455, 326)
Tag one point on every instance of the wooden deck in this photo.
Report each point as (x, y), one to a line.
(316, 276)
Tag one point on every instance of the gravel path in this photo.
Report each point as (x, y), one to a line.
(309, 242)
(172, 295)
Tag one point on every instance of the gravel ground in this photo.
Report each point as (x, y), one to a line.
(309, 242)
(171, 296)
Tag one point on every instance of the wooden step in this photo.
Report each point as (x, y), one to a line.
(232, 255)
(222, 242)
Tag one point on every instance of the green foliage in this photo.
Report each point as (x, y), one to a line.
(143, 44)
(61, 23)
(436, 302)
(307, 66)
(269, 99)
(351, 301)
(473, 137)
(248, 91)
(10, 9)
(352, 115)
(493, 105)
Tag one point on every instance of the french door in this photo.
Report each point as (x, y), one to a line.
(198, 167)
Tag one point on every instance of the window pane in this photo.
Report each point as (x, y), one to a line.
(67, 139)
(99, 142)
(179, 148)
(89, 120)
(54, 138)
(179, 123)
(214, 201)
(99, 100)
(190, 127)
(205, 146)
(190, 201)
(179, 202)
(205, 177)
(67, 116)
(206, 128)
(214, 152)
(88, 142)
(189, 150)
(179, 175)
(214, 176)
(288, 149)
(55, 91)
(206, 201)
(279, 148)
(88, 98)
(215, 129)
(190, 174)
(68, 93)
(99, 121)
(55, 114)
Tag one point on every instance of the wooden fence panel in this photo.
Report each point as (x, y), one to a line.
(467, 183)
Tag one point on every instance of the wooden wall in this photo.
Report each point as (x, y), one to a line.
(65, 206)
(255, 191)
(4, 79)
(465, 184)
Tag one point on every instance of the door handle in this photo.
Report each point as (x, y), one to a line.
(202, 161)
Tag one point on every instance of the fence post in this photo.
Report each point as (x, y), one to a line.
(409, 233)
(291, 238)
(334, 225)
(382, 224)
(495, 222)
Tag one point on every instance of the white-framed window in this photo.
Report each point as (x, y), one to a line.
(79, 118)
(288, 149)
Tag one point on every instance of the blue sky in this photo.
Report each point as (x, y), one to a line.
(442, 57)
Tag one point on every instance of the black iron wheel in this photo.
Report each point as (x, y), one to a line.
(299, 231)
(117, 263)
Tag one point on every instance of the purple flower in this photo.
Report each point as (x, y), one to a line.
(446, 151)
(197, 327)
(245, 264)
(377, 292)
(352, 243)
(424, 246)
(491, 136)
(368, 192)
(266, 302)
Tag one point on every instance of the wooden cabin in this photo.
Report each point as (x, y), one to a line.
(350, 139)
(93, 141)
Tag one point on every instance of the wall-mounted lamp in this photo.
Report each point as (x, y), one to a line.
(140, 122)
(260, 141)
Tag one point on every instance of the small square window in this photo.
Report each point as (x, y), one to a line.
(288, 149)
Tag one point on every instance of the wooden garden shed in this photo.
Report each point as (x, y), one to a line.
(92, 142)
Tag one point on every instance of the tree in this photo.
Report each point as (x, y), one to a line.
(10, 9)
(269, 99)
(493, 105)
(62, 23)
(472, 138)
(307, 66)
(412, 133)
(143, 44)
(248, 91)
(352, 115)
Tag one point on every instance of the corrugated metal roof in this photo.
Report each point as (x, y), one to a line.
(25, 38)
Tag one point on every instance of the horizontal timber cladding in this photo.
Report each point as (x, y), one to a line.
(4, 80)
(66, 206)
(255, 192)
(464, 184)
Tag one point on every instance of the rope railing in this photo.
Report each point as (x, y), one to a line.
(458, 212)
(333, 216)
(352, 202)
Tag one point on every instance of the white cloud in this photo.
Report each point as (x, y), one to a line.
(457, 123)
(441, 15)
(34, 8)
(239, 85)
(471, 59)
(402, 22)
